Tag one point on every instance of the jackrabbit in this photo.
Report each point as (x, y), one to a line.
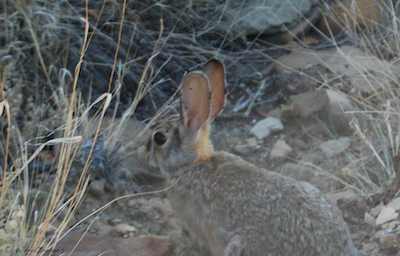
(230, 206)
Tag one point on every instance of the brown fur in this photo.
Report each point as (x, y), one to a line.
(233, 208)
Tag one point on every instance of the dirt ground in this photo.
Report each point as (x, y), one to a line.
(319, 104)
(314, 144)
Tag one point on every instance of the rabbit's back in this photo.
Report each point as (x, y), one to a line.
(270, 214)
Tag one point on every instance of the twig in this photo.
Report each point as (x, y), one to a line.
(118, 46)
(255, 96)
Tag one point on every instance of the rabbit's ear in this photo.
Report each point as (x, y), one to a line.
(216, 74)
(195, 101)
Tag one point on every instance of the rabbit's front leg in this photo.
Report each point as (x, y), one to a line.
(234, 247)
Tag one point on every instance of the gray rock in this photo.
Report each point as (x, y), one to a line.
(265, 16)
(90, 244)
(253, 17)
(97, 188)
(332, 148)
(339, 99)
(388, 240)
(334, 114)
(342, 195)
(265, 127)
(369, 219)
(124, 229)
(309, 103)
(387, 214)
(392, 225)
(280, 149)
(366, 72)
(352, 205)
(395, 204)
(309, 174)
(329, 105)
(248, 147)
(376, 210)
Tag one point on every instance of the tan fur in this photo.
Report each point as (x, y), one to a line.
(233, 208)
(203, 147)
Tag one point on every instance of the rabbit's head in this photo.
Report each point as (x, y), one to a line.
(178, 142)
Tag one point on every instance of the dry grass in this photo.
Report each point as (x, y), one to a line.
(376, 119)
(100, 42)
(31, 227)
(377, 123)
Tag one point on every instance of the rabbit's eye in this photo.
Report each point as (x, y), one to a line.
(159, 138)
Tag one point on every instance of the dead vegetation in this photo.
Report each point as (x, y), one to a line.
(65, 65)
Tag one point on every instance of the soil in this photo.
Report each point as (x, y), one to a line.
(306, 160)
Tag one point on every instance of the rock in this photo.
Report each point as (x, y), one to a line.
(307, 173)
(387, 214)
(391, 226)
(149, 246)
(369, 219)
(101, 228)
(334, 113)
(366, 73)
(376, 210)
(308, 103)
(332, 148)
(91, 245)
(330, 106)
(265, 127)
(97, 188)
(395, 204)
(297, 82)
(342, 195)
(124, 229)
(339, 99)
(154, 214)
(254, 17)
(280, 149)
(388, 240)
(353, 206)
(250, 146)
(115, 221)
(354, 13)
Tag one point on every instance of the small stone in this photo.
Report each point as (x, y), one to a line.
(332, 148)
(124, 229)
(346, 195)
(388, 240)
(91, 244)
(352, 205)
(369, 248)
(309, 174)
(335, 112)
(395, 204)
(147, 246)
(339, 99)
(115, 221)
(387, 214)
(309, 103)
(252, 142)
(265, 127)
(97, 188)
(280, 150)
(391, 226)
(102, 228)
(369, 219)
(250, 146)
(376, 210)
(11, 226)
